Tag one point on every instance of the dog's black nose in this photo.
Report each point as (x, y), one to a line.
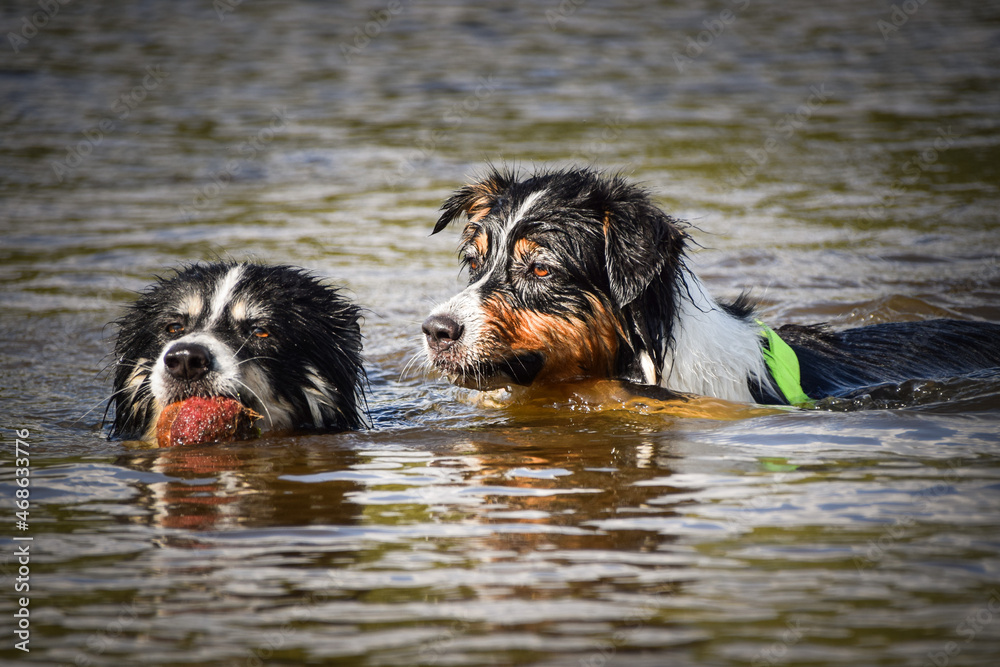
(441, 331)
(188, 361)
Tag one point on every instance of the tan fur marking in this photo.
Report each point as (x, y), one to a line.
(486, 193)
(479, 208)
(477, 237)
(523, 248)
(192, 306)
(238, 311)
(482, 243)
(574, 348)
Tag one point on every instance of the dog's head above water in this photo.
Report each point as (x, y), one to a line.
(274, 338)
(570, 276)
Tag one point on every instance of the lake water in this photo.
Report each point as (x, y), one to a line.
(841, 159)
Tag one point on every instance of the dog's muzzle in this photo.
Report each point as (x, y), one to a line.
(446, 348)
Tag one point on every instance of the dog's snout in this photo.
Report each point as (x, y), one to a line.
(188, 361)
(442, 331)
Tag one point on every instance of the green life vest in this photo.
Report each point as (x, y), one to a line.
(784, 367)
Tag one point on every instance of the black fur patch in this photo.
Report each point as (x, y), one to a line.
(833, 363)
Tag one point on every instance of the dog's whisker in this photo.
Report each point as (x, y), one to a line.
(237, 351)
(260, 401)
(406, 368)
(105, 402)
(418, 357)
(240, 362)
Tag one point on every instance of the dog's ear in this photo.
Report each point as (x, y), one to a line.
(640, 243)
(475, 200)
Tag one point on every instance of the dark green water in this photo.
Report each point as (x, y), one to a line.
(839, 158)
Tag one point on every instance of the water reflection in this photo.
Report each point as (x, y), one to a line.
(505, 489)
(463, 532)
(229, 487)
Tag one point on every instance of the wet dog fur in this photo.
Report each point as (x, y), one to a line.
(275, 338)
(574, 274)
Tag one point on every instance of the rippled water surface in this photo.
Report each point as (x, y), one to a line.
(841, 159)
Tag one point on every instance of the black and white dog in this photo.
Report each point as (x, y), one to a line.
(274, 338)
(574, 274)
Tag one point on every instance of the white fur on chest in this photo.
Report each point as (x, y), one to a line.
(712, 353)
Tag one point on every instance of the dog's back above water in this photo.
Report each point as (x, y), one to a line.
(577, 275)
(275, 339)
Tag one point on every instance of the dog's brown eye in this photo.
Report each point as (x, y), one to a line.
(540, 270)
(473, 264)
(260, 332)
(175, 328)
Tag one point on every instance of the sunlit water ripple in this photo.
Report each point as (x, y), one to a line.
(467, 531)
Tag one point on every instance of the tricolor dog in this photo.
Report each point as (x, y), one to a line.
(274, 338)
(574, 274)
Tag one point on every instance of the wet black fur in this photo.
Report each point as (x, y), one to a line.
(309, 324)
(635, 264)
(833, 363)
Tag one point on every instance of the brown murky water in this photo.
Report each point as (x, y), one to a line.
(841, 159)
